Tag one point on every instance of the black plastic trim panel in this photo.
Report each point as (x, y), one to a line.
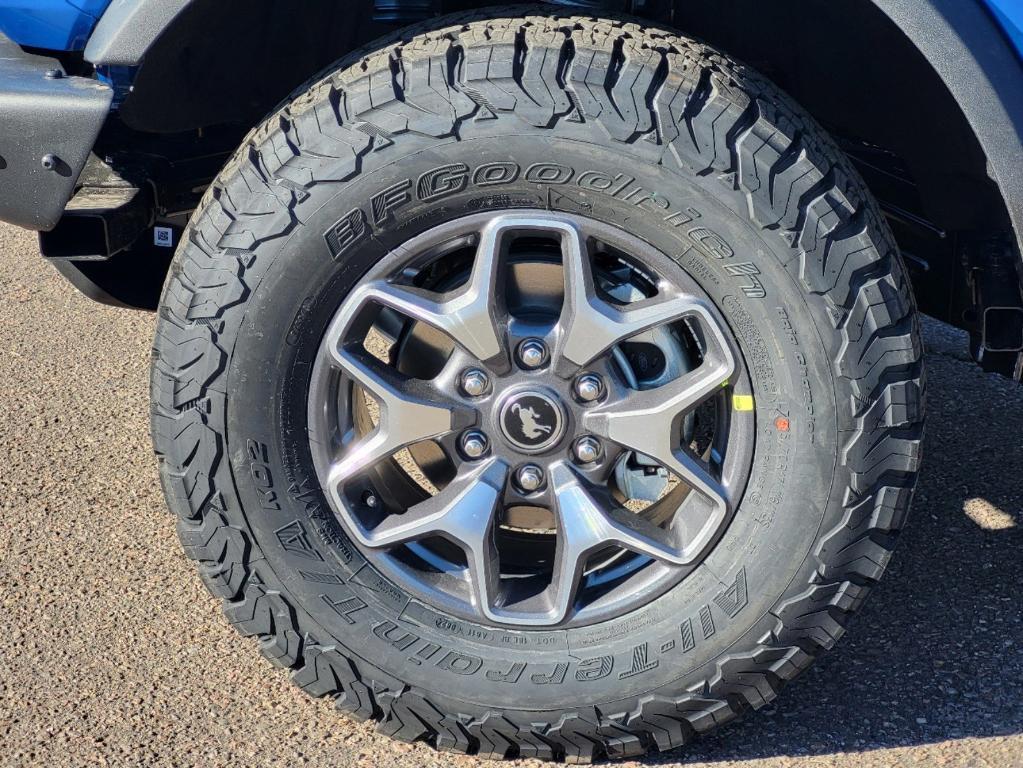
(970, 53)
(48, 126)
(128, 28)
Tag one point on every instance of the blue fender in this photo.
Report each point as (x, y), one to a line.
(56, 25)
(1009, 14)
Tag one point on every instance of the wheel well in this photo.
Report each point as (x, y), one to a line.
(227, 63)
(825, 53)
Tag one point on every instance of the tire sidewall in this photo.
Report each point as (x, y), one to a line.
(723, 606)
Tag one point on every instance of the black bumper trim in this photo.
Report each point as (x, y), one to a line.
(48, 127)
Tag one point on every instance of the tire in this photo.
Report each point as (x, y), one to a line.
(637, 129)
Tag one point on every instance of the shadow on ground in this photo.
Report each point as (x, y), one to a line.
(937, 653)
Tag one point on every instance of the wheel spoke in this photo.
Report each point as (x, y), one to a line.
(582, 529)
(464, 514)
(469, 316)
(656, 437)
(585, 527)
(410, 411)
(648, 421)
(590, 325)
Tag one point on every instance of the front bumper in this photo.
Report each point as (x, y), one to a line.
(48, 127)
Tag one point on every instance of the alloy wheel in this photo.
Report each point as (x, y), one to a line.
(531, 419)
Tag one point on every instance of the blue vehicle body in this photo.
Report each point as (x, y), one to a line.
(1009, 14)
(55, 25)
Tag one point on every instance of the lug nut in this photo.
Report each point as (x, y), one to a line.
(475, 382)
(587, 450)
(529, 478)
(589, 387)
(474, 444)
(532, 353)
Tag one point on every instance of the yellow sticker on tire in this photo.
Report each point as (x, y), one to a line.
(742, 402)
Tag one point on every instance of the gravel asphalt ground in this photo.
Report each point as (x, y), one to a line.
(114, 654)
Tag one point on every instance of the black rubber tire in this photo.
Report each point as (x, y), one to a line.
(537, 110)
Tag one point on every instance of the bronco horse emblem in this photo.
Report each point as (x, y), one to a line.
(531, 426)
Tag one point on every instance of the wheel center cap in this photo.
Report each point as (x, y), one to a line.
(532, 421)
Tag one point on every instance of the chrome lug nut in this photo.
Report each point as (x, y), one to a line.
(532, 353)
(587, 450)
(529, 478)
(475, 382)
(589, 387)
(474, 444)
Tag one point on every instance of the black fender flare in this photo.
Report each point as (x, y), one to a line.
(981, 69)
(960, 39)
(128, 28)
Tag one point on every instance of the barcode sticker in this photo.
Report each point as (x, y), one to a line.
(163, 237)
